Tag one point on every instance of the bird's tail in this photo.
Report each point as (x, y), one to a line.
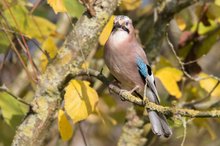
(159, 124)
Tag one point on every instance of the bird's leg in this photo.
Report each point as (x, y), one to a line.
(135, 88)
(145, 99)
(130, 91)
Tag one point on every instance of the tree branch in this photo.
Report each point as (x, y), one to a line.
(169, 111)
(47, 97)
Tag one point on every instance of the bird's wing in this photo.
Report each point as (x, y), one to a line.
(146, 74)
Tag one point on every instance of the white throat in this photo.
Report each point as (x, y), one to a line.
(119, 36)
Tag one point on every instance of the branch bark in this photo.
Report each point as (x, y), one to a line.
(47, 96)
(126, 95)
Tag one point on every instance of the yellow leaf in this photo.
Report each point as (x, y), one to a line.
(130, 4)
(80, 100)
(49, 47)
(65, 128)
(27, 24)
(34, 29)
(57, 5)
(169, 77)
(106, 31)
(180, 22)
(208, 84)
(217, 2)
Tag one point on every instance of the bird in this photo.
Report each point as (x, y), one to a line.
(127, 62)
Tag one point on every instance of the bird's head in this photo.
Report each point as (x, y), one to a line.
(123, 23)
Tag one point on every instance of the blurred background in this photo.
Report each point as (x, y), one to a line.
(33, 31)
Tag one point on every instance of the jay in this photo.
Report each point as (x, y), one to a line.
(127, 62)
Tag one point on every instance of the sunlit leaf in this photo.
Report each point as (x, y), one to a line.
(17, 17)
(65, 128)
(80, 100)
(106, 31)
(180, 22)
(50, 48)
(208, 84)
(24, 23)
(207, 43)
(169, 77)
(130, 4)
(12, 110)
(74, 8)
(34, 28)
(205, 29)
(57, 5)
(217, 2)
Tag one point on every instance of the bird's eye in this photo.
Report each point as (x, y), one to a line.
(126, 23)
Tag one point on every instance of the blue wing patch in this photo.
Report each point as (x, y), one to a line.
(144, 69)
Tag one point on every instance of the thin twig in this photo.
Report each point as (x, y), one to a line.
(36, 4)
(26, 48)
(182, 64)
(82, 133)
(18, 54)
(5, 89)
(193, 103)
(184, 131)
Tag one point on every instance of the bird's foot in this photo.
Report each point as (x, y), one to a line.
(130, 92)
(134, 89)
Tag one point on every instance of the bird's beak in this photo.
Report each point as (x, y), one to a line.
(116, 26)
(120, 25)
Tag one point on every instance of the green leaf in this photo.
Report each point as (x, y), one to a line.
(74, 8)
(207, 43)
(213, 11)
(7, 133)
(12, 110)
(4, 42)
(38, 32)
(19, 18)
(29, 25)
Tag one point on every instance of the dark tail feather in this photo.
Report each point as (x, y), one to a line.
(159, 124)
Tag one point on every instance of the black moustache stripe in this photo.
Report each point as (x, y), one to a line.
(119, 26)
